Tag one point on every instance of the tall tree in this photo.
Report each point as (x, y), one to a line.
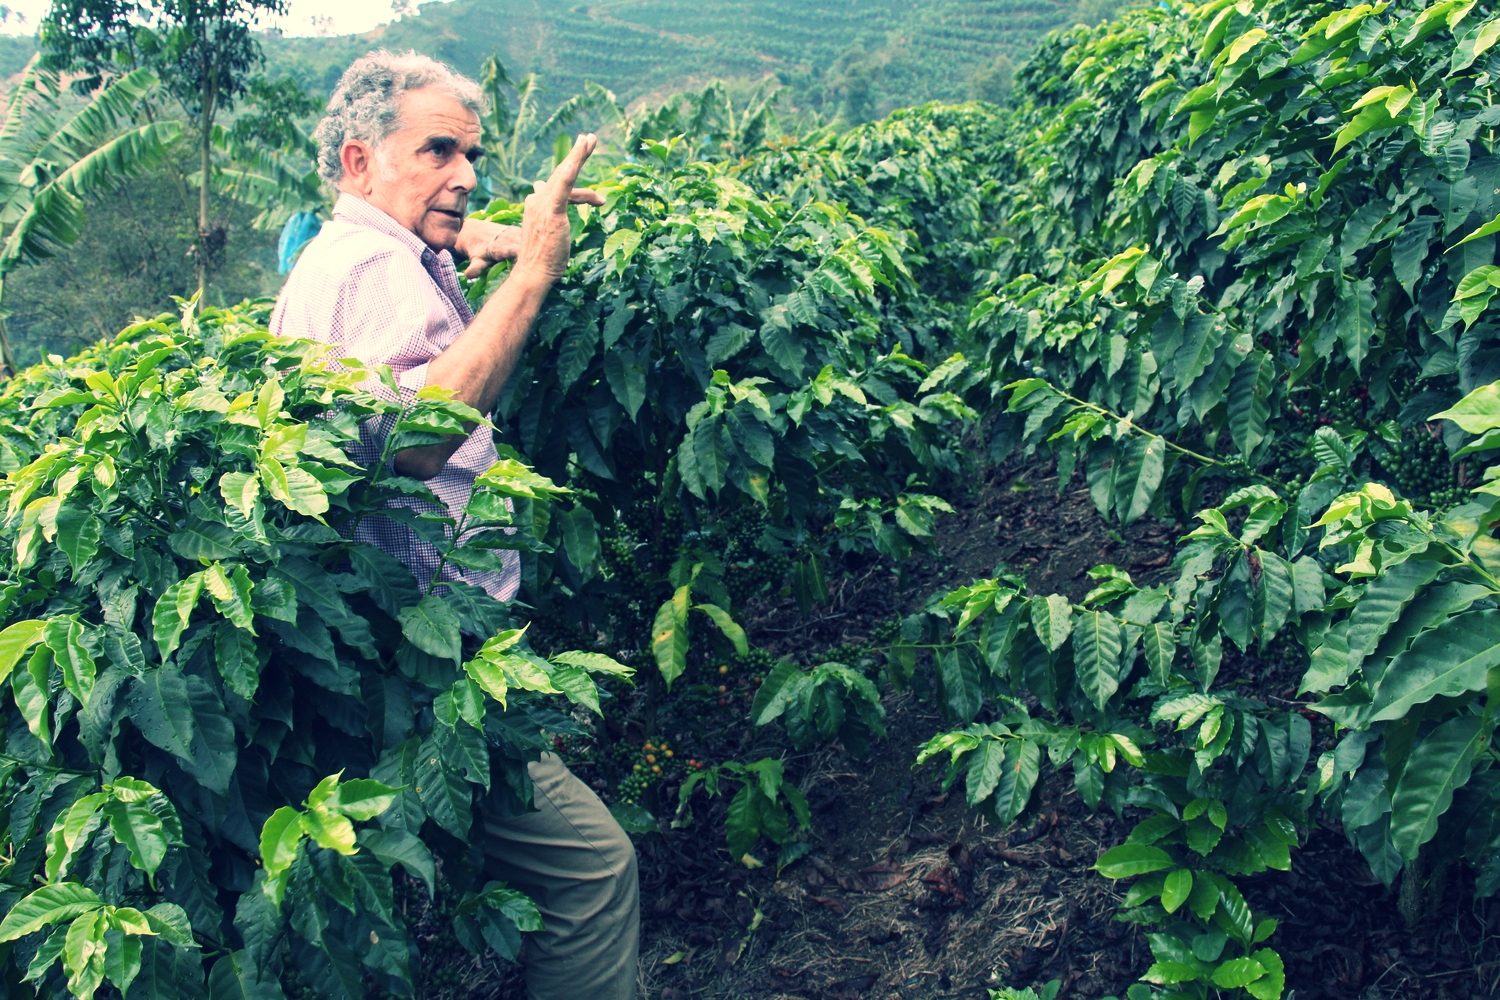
(202, 50)
(49, 163)
(270, 161)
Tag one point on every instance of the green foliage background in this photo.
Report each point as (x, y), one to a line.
(135, 246)
(838, 60)
(1231, 264)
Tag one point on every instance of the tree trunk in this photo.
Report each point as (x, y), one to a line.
(206, 124)
(7, 360)
(1411, 895)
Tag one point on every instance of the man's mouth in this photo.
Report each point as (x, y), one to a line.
(450, 213)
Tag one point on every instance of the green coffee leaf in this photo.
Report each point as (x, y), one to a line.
(1238, 972)
(83, 954)
(1272, 985)
(173, 610)
(30, 689)
(280, 838)
(731, 629)
(1128, 860)
(64, 638)
(329, 829)
(15, 640)
(1479, 411)
(47, 955)
(364, 798)
(578, 686)
(1169, 972)
(669, 636)
(48, 905)
(294, 487)
(1052, 618)
(1441, 763)
(381, 574)
(394, 847)
(1096, 655)
(432, 627)
(1448, 660)
(204, 541)
(78, 534)
(1176, 889)
(234, 977)
(137, 826)
(1023, 761)
(594, 662)
(237, 659)
(170, 921)
(986, 767)
(1161, 649)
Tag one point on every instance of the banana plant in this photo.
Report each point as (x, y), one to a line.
(511, 132)
(709, 122)
(280, 182)
(266, 159)
(49, 164)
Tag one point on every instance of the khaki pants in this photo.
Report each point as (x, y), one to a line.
(572, 858)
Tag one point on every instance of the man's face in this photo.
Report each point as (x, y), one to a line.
(424, 171)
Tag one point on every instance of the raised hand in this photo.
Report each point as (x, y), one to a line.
(485, 244)
(546, 237)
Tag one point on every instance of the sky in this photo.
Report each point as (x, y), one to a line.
(304, 17)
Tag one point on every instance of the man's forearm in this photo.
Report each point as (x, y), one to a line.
(477, 364)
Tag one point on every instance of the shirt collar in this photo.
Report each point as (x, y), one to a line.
(360, 212)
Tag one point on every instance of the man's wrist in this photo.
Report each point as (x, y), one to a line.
(530, 279)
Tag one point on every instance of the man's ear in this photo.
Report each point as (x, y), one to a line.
(359, 166)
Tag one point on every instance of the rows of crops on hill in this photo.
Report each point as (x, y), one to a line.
(1230, 265)
(950, 42)
(903, 52)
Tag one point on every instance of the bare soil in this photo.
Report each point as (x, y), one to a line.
(909, 895)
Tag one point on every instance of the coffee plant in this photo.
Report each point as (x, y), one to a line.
(1392, 605)
(832, 701)
(716, 358)
(766, 805)
(1230, 264)
(1233, 249)
(1123, 684)
(228, 722)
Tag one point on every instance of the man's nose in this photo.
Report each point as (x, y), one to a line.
(464, 178)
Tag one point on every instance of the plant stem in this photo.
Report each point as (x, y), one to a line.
(6, 358)
(34, 765)
(458, 530)
(1168, 442)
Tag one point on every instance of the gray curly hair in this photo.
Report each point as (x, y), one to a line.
(366, 105)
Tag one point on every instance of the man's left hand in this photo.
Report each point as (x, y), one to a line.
(486, 244)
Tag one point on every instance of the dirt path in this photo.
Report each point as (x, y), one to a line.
(909, 895)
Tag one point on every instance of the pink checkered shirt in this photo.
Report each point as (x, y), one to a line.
(374, 288)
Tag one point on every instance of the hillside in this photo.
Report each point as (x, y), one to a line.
(852, 59)
(858, 58)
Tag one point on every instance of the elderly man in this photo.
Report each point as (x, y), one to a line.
(399, 142)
